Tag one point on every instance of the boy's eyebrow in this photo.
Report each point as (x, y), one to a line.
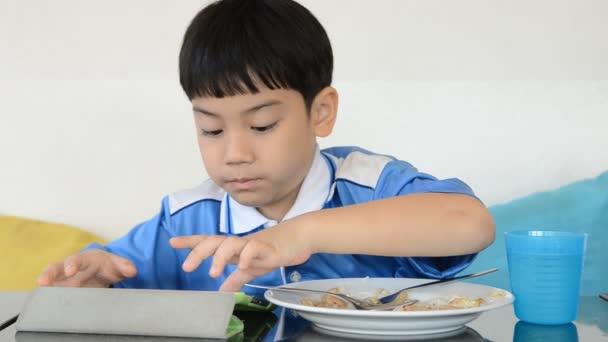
(262, 105)
(246, 111)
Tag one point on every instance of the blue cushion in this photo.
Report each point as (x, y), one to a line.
(580, 207)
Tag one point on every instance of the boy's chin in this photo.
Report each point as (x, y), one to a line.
(249, 199)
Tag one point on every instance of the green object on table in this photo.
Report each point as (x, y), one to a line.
(257, 324)
(234, 332)
(246, 302)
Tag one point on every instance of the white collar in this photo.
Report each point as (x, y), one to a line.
(236, 218)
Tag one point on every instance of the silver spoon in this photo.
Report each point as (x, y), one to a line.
(386, 301)
(391, 297)
(359, 304)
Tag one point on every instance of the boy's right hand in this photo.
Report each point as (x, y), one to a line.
(93, 268)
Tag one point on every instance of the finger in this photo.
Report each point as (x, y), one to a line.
(202, 251)
(124, 266)
(74, 263)
(258, 255)
(109, 275)
(234, 260)
(80, 279)
(81, 269)
(186, 242)
(229, 248)
(236, 280)
(52, 273)
(112, 269)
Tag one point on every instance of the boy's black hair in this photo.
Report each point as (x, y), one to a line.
(232, 44)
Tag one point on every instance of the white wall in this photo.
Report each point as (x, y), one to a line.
(510, 96)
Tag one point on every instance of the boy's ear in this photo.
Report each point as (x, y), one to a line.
(324, 110)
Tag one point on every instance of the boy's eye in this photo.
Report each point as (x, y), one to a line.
(262, 129)
(212, 133)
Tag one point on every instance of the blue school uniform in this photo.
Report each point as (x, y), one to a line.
(339, 176)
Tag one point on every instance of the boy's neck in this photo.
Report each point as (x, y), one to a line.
(279, 209)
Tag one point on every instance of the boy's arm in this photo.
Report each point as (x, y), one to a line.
(407, 213)
(435, 226)
(421, 224)
(424, 224)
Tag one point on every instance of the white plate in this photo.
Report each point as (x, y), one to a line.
(389, 323)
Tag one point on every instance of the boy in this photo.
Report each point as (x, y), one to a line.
(277, 209)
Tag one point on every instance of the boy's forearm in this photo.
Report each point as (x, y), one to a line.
(430, 224)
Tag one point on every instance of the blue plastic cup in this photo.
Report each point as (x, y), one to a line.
(545, 269)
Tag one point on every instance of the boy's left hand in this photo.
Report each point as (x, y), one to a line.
(255, 254)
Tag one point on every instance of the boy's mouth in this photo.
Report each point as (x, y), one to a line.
(242, 184)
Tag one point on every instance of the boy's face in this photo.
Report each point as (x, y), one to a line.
(258, 147)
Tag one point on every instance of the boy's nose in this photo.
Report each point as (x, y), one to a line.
(238, 151)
